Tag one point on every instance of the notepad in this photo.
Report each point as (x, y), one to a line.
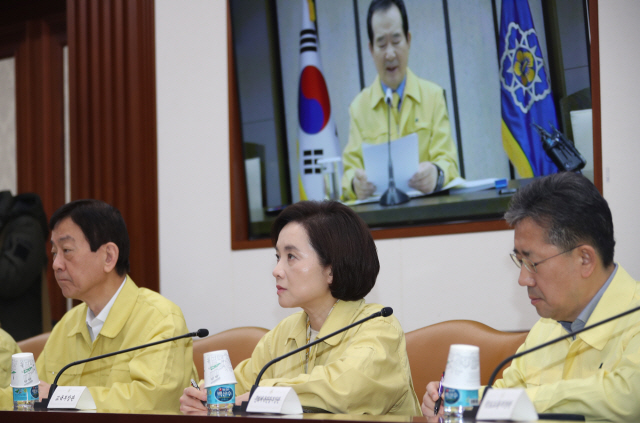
(405, 156)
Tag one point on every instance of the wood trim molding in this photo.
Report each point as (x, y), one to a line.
(40, 124)
(113, 118)
(238, 200)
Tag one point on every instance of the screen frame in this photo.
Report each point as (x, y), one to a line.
(240, 239)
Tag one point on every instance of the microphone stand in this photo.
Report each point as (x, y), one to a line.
(201, 333)
(492, 378)
(386, 311)
(392, 196)
(553, 341)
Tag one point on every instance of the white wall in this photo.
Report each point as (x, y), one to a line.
(425, 279)
(619, 33)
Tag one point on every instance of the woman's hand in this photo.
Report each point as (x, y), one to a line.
(243, 397)
(190, 401)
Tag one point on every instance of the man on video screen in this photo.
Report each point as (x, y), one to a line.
(420, 106)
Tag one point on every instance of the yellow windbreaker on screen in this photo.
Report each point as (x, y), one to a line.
(597, 374)
(423, 112)
(364, 370)
(152, 378)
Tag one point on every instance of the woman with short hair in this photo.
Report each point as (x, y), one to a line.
(326, 264)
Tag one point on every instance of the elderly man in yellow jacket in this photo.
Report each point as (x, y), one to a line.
(563, 245)
(90, 247)
(418, 107)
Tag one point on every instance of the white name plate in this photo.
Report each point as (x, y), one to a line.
(507, 404)
(274, 399)
(72, 397)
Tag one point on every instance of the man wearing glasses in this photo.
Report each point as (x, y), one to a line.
(564, 246)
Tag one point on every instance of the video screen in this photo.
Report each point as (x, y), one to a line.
(454, 45)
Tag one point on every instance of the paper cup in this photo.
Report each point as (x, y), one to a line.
(461, 379)
(463, 367)
(23, 371)
(218, 369)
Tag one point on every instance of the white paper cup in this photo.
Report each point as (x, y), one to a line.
(463, 367)
(461, 380)
(23, 371)
(218, 369)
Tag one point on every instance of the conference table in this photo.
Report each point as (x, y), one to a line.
(106, 416)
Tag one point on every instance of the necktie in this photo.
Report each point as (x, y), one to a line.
(394, 107)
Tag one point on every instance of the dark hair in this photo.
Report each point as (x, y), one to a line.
(384, 5)
(341, 239)
(570, 208)
(100, 223)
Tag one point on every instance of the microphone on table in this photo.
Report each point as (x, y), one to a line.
(385, 312)
(492, 378)
(201, 333)
(392, 195)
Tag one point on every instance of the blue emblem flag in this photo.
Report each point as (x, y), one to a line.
(525, 92)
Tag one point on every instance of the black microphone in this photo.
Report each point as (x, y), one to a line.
(201, 333)
(385, 312)
(392, 195)
(493, 376)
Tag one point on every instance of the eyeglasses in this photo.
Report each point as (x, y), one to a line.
(531, 266)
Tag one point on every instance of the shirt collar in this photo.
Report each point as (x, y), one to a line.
(95, 323)
(411, 90)
(399, 90)
(343, 314)
(584, 315)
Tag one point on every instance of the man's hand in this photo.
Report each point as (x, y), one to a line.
(43, 390)
(362, 187)
(425, 179)
(429, 400)
(190, 401)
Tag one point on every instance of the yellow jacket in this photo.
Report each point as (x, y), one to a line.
(423, 111)
(364, 370)
(148, 379)
(597, 374)
(8, 347)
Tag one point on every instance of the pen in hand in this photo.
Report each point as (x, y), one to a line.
(195, 385)
(436, 408)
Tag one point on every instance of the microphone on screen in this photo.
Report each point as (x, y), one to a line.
(385, 312)
(392, 196)
(388, 96)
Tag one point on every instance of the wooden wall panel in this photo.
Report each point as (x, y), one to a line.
(39, 126)
(594, 53)
(113, 118)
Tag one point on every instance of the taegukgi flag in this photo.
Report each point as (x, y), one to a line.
(526, 96)
(317, 138)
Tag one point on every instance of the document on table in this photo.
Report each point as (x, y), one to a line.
(405, 156)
